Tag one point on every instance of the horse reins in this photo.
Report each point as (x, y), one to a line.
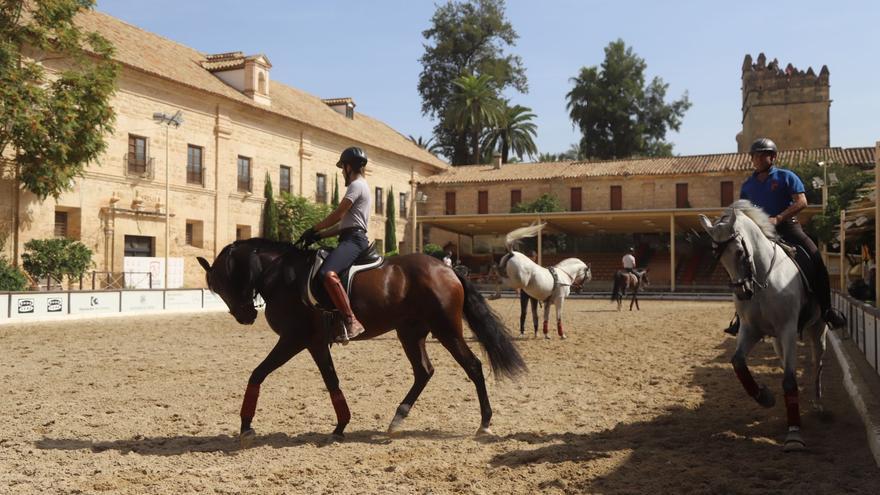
(718, 249)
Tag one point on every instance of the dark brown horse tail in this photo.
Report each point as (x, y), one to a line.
(491, 332)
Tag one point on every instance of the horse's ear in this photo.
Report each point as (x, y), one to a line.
(707, 224)
(204, 263)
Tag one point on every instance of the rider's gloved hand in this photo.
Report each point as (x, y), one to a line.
(310, 236)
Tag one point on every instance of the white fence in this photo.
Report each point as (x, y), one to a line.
(862, 326)
(23, 306)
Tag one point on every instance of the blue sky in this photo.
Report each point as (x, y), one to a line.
(369, 50)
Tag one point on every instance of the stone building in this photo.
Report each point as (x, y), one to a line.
(238, 126)
(790, 106)
(607, 206)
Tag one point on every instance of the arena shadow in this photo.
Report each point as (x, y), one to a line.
(727, 444)
(178, 445)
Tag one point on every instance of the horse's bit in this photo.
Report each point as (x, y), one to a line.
(742, 286)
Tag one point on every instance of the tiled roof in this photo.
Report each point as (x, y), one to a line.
(164, 58)
(337, 101)
(678, 165)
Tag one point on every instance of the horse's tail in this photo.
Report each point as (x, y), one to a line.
(491, 332)
(522, 233)
(616, 289)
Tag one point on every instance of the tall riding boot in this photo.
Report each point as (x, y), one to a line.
(351, 326)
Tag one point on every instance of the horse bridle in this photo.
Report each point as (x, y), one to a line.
(741, 285)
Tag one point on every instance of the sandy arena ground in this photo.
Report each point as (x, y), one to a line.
(642, 402)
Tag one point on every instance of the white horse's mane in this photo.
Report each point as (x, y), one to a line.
(757, 215)
(522, 233)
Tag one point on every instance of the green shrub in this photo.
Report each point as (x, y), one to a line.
(11, 278)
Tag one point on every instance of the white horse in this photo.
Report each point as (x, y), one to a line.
(771, 300)
(550, 285)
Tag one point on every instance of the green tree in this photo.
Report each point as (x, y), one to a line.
(296, 214)
(270, 212)
(465, 38)
(618, 114)
(428, 145)
(514, 132)
(543, 204)
(850, 179)
(474, 107)
(334, 201)
(56, 258)
(52, 125)
(11, 278)
(390, 224)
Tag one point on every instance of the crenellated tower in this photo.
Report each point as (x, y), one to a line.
(789, 106)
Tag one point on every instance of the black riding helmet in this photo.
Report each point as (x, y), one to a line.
(354, 157)
(763, 145)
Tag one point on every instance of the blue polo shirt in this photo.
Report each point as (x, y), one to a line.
(774, 194)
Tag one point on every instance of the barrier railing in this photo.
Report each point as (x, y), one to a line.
(862, 326)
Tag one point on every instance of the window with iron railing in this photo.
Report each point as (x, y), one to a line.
(244, 174)
(194, 168)
(284, 179)
(379, 202)
(321, 189)
(402, 210)
(136, 160)
(450, 203)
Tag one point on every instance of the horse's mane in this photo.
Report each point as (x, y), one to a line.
(757, 215)
(522, 233)
(264, 244)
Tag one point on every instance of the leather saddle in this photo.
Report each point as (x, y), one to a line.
(312, 289)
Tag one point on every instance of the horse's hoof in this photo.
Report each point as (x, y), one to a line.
(794, 442)
(484, 431)
(562, 336)
(765, 397)
(246, 438)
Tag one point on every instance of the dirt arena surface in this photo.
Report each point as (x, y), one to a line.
(642, 402)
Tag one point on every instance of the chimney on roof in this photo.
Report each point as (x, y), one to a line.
(496, 160)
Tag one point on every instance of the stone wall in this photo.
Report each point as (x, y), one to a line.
(224, 130)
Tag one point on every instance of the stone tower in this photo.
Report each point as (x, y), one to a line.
(789, 106)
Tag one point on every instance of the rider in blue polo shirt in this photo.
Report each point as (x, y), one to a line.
(780, 193)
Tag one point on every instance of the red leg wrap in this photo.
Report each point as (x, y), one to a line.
(343, 415)
(747, 381)
(791, 408)
(559, 327)
(249, 405)
(546, 326)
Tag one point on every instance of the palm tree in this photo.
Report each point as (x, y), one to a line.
(475, 106)
(426, 144)
(515, 132)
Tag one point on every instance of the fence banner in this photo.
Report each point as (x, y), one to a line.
(94, 302)
(38, 304)
(183, 299)
(141, 300)
(4, 306)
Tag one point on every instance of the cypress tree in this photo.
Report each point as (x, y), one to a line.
(390, 224)
(270, 212)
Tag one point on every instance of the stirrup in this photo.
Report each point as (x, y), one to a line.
(347, 335)
(733, 328)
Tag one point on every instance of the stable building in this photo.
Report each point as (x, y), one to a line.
(649, 203)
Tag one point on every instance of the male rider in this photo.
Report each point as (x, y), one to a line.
(780, 193)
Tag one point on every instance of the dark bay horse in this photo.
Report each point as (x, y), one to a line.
(413, 294)
(626, 281)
